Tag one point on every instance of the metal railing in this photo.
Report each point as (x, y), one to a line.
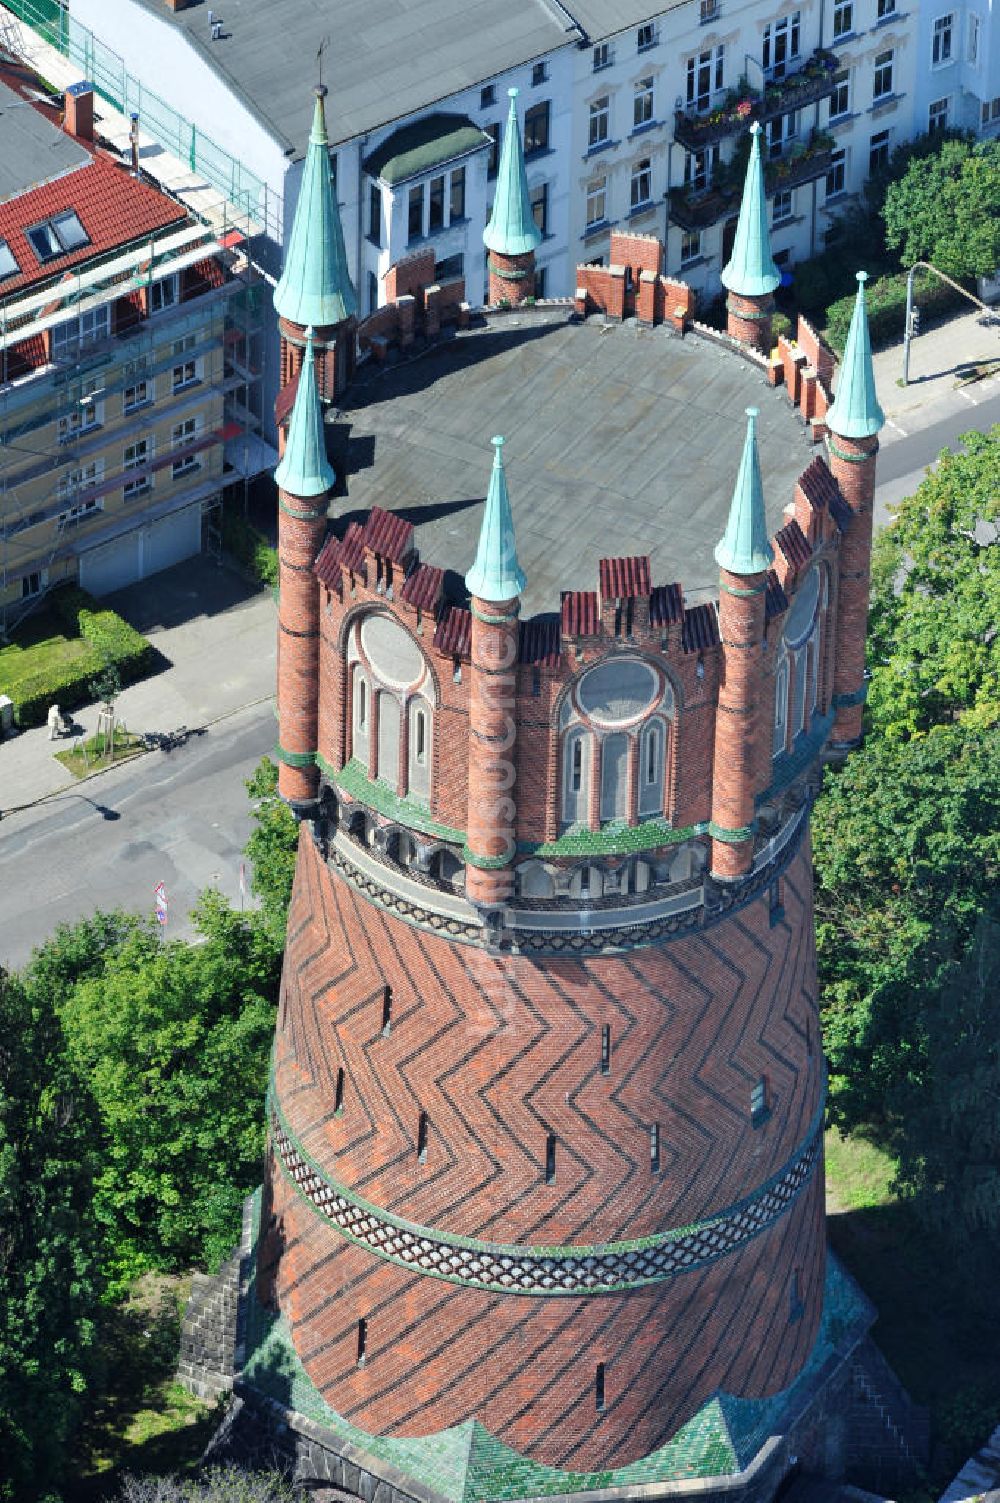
(100, 65)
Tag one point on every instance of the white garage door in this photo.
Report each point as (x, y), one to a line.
(112, 566)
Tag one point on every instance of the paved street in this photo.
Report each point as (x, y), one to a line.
(179, 817)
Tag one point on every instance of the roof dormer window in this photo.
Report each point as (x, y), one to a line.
(8, 265)
(57, 236)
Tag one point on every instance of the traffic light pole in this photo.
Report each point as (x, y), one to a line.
(913, 314)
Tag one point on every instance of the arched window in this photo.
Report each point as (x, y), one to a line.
(651, 767)
(614, 777)
(362, 716)
(799, 691)
(576, 776)
(387, 770)
(420, 749)
(780, 707)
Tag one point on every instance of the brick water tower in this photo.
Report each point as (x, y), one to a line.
(543, 1209)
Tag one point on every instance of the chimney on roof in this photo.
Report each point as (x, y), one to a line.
(78, 111)
(133, 136)
(178, 4)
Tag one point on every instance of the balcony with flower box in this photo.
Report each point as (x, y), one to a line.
(697, 208)
(811, 83)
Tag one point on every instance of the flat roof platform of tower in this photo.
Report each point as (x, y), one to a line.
(619, 441)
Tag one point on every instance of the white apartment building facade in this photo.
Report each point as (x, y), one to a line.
(629, 118)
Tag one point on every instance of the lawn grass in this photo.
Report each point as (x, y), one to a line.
(43, 642)
(937, 1333)
(141, 1421)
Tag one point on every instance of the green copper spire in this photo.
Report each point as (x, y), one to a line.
(496, 574)
(304, 469)
(315, 287)
(512, 230)
(745, 549)
(855, 412)
(751, 271)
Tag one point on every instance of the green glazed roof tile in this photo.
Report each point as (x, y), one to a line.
(512, 230)
(425, 144)
(745, 548)
(751, 272)
(315, 287)
(496, 573)
(304, 469)
(855, 411)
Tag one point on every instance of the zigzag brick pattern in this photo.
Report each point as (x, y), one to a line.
(500, 1052)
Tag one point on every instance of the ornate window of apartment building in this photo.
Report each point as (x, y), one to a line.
(840, 99)
(536, 128)
(884, 9)
(937, 114)
(600, 121)
(88, 327)
(781, 132)
(705, 74)
(435, 204)
(941, 38)
(456, 206)
(837, 176)
(690, 246)
(699, 167)
(642, 103)
(163, 294)
(375, 214)
(137, 395)
(781, 209)
(972, 40)
(493, 160)
(646, 37)
(86, 413)
(540, 206)
(878, 151)
(882, 82)
(781, 45)
(597, 201)
(603, 56)
(641, 187)
(843, 19)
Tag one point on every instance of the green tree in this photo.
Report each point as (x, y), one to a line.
(946, 209)
(49, 1257)
(173, 1040)
(272, 849)
(950, 1152)
(934, 644)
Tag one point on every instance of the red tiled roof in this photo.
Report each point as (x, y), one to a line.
(701, 628)
(666, 605)
(538, 645)
(114, 208)
(580, 616)
(454, 632)
(775, 599)
(624, 578)
(818, 485)
(388, 535)
(422, 588)
(27, 355)
(336, 553)
(793, 544)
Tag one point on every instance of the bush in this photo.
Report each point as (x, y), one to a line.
(886, 302)
(112, 643)
(250, 547)
(811, 285)
(781, 327)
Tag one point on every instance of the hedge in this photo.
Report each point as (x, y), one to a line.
(112, 643)
(886, 303)
(249, 546)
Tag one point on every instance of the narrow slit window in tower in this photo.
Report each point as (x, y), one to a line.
(654, 1148)
(760, 1105)
(599, 1388)
(386, 1009)
(550, 1159)
(606, 1049)
(422, 1139)
(362, 1341)
(338, 1095)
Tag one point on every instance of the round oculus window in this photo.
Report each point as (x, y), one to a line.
(392, 652)
(617, 691)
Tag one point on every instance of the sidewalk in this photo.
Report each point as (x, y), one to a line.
(937, 358)
(218, 635)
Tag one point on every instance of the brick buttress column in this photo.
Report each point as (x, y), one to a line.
(737, 722)
(512, 278)
(491, 839)
(301, 526)
(852, 463)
